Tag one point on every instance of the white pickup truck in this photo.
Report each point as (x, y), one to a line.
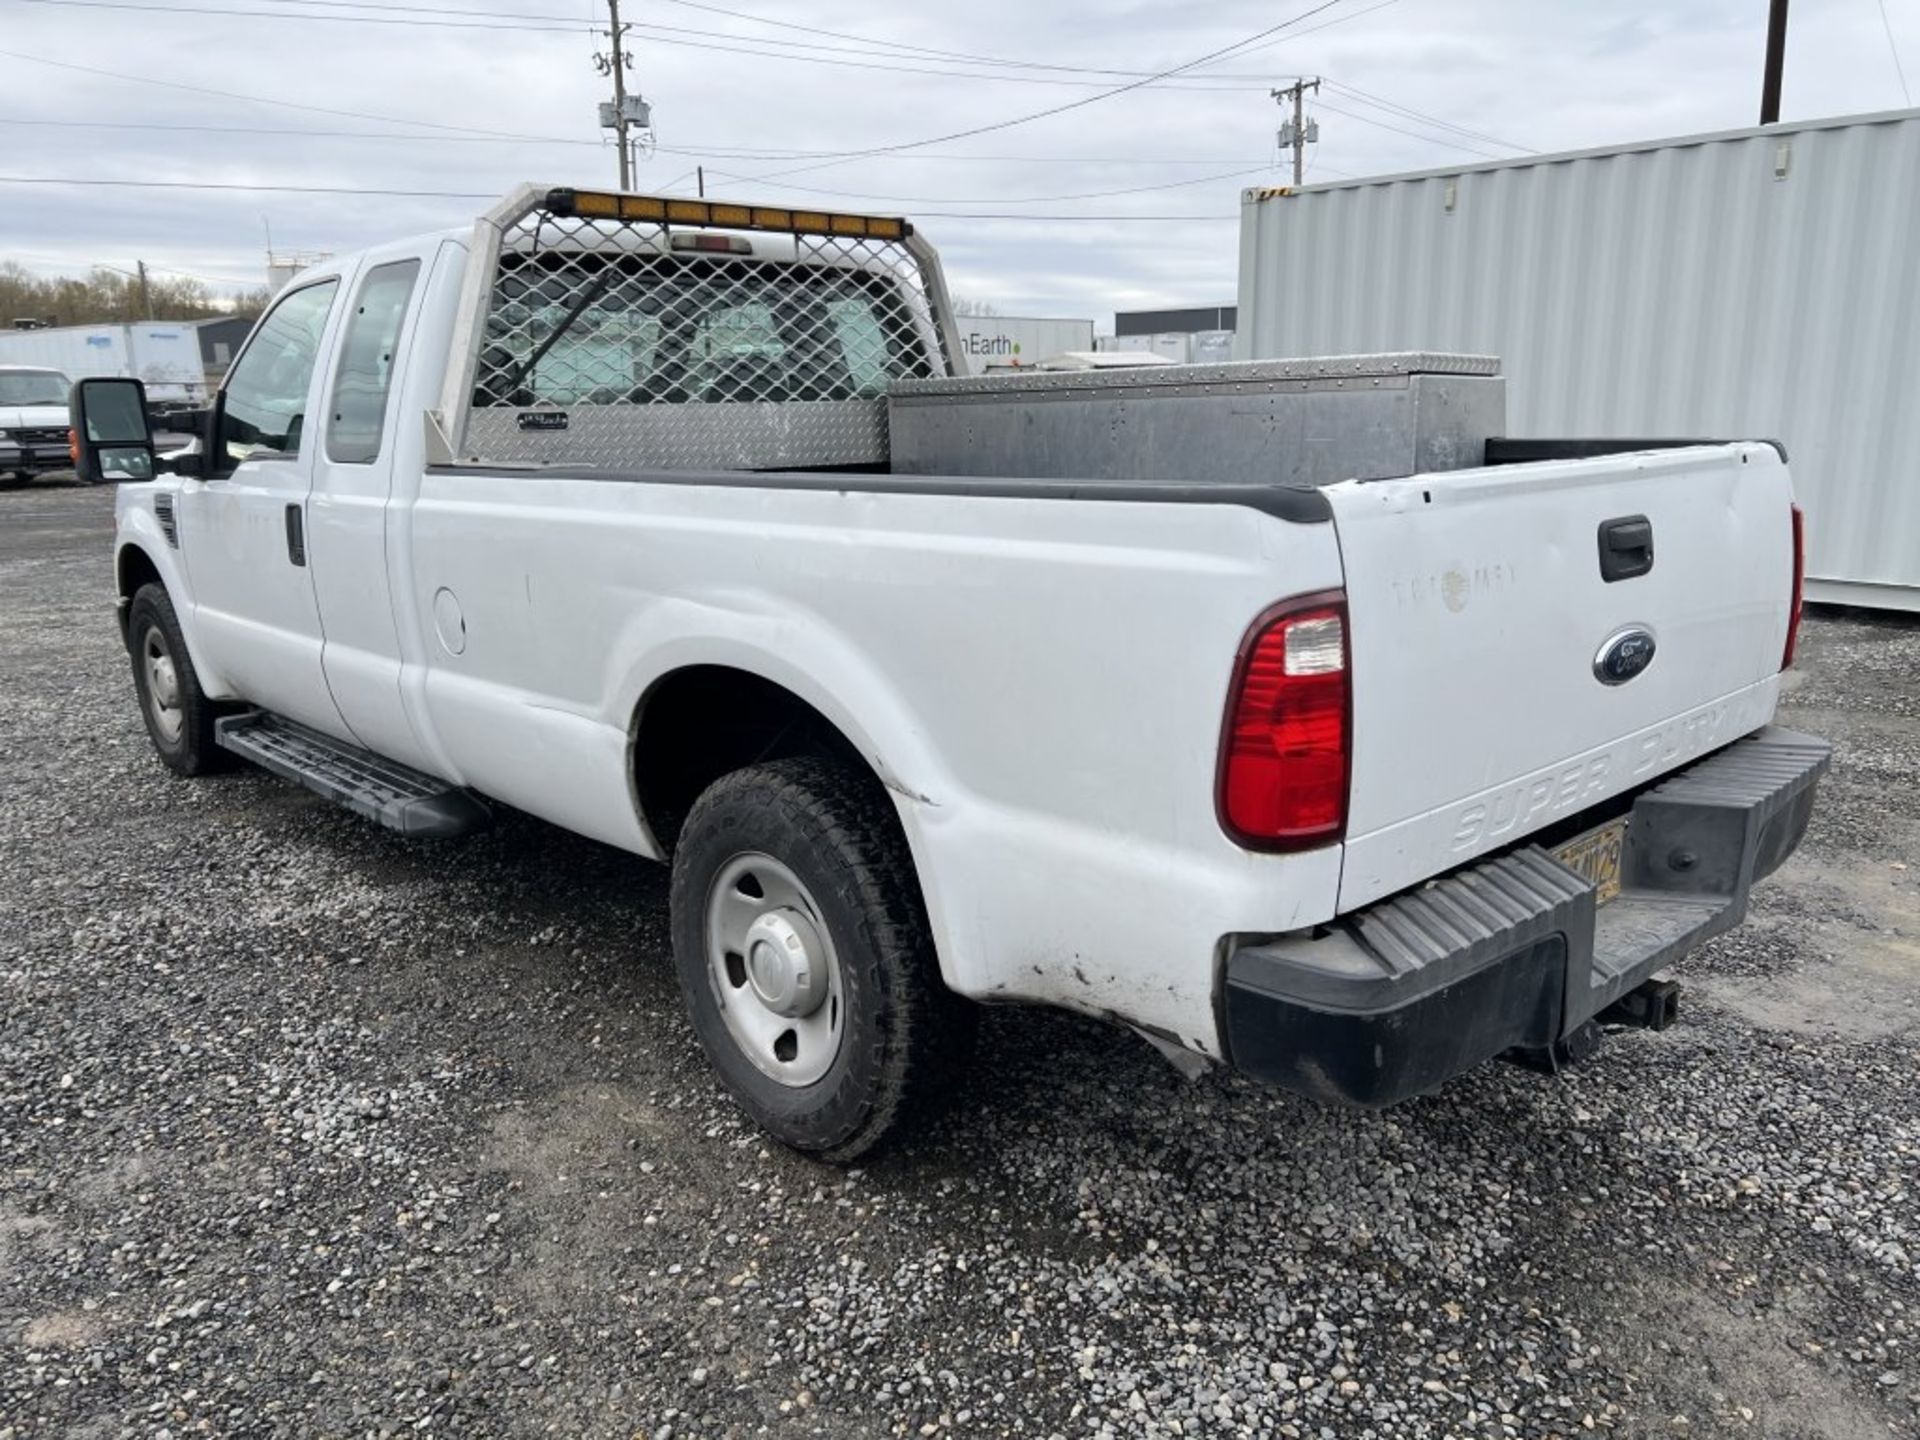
(634, 514)
(33, 422)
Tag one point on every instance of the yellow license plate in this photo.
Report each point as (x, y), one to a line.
(1595, 858)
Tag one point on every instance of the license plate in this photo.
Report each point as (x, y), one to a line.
(1595, 858)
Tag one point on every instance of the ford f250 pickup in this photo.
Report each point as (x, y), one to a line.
(1285, 711)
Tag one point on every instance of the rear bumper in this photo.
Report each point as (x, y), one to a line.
(1513, 952)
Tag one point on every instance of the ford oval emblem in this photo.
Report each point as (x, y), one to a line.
(1626, 653)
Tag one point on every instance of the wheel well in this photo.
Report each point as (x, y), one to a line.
(132, 568)
(705, 721)
(135, 568)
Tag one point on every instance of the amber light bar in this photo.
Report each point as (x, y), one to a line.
(608, 205)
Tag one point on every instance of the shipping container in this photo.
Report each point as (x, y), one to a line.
(1750, 283)
(1008, 342)
(165, 357)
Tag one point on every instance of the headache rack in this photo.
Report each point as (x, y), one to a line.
(639, 332)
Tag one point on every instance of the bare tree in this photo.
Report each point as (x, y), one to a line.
(974, 309)
(107, 297)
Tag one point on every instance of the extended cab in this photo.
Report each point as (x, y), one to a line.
(1278, 711)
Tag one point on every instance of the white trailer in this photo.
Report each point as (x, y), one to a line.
(1756, 282)
(1013, 342)
(164, 357)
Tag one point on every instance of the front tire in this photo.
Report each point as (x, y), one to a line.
(178, 714)
(805, 956)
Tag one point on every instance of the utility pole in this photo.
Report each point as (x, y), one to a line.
(615, 64)
(1776, 62)
(1296, 134)
(146, 295)
(700, 179)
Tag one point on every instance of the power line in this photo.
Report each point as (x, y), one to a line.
(1894, 50)
(1068, 105)
(236, 187)
(1394, 107)
(1310, 30)
(716, 152)
(284, 104)
(570, 27)
(1013, 199)
(248, 189)
(144, 127)
(488, 20)
(961, 55)
(1414, 134)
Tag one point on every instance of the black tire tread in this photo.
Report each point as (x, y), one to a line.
(927, 1029)
(198, 753)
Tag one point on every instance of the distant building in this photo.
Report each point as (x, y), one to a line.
(220, 341)
(1162, 322)
(1199, 335)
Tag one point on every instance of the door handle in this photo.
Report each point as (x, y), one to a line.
(1626, 547)
(296, 535)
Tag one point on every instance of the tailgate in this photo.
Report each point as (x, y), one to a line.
(1479, 613)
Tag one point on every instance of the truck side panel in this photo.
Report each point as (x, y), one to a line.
(1040, 682)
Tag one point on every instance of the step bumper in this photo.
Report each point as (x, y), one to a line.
(1514, 951)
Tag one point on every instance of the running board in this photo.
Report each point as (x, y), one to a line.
(394, 795)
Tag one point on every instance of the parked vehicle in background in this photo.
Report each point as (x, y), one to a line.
(33, 423)
(1287, 713)
(165, 357)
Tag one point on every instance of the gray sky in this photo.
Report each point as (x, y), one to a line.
(1543, 74)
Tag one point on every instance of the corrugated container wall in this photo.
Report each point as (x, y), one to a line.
(1757, 283)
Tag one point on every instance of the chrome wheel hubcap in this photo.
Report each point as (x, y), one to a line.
(773, 970)
(163, 684)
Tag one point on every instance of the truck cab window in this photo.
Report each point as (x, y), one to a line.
(568, 328)
(365, 375)
(266, 392)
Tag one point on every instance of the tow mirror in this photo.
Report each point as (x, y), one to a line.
(110, 439)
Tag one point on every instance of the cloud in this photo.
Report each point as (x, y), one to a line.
(1546, 74)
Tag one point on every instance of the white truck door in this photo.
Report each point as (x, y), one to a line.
(244, 533)
(349, 512)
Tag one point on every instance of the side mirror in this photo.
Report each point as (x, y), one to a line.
(110, 438)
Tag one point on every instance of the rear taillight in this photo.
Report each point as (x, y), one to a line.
(1799, 585)
(1286, 755)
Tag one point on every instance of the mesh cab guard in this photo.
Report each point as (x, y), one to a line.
(642, 332)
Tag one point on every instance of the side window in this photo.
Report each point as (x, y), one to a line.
(360, 386)
(266, 392)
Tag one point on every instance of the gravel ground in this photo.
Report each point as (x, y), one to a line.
(309, 1130)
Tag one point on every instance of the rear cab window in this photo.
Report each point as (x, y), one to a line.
(363, 380)
(652, 329)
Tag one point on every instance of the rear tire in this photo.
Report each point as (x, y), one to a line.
(805, 956)
(178, 714)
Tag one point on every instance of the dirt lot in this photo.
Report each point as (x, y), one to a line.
(309, 1130)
